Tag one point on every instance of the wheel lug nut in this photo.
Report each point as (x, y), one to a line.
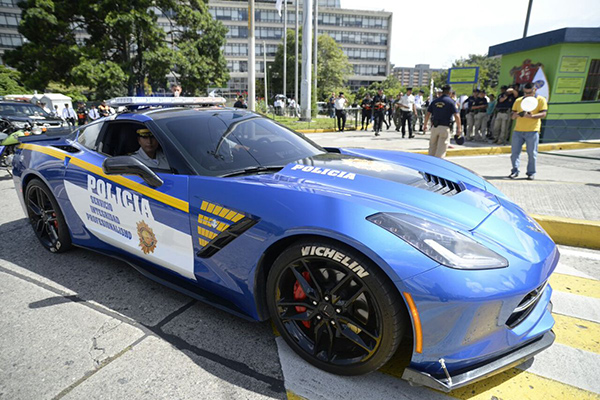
(338, 310)
(326, 298)
(332, 322)
(315, 303)
(319, 317)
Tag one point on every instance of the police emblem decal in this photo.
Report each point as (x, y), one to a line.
(147, 237)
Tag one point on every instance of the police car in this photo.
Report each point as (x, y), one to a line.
(348, 251)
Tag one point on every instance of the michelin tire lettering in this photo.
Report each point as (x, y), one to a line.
(335, 256)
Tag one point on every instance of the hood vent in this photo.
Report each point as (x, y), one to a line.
(441, 185)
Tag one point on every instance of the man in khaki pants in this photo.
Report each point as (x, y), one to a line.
(441, 111)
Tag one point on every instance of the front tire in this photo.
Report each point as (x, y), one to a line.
(46, 218)
(334, 307)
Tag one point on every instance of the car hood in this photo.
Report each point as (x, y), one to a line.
(394, 185)
(36, 119)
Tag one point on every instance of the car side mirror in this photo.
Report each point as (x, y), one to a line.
(128, 165)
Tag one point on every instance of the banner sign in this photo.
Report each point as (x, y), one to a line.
(573, 64)
(568, 85)
(463, 75)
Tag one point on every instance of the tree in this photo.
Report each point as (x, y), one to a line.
(489, 70)
(124, 50)
(10, 81)
(332, 65)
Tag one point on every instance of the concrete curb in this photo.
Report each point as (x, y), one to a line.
(571, 232)
(314, 130)
(477, 151)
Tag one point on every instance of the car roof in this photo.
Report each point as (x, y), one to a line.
(180, 111)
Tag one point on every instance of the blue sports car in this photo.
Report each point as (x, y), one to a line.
(348, 251)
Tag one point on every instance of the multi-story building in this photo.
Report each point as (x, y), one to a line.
(364, 36)
(420, 75)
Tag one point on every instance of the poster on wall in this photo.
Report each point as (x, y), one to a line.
(573, 64)
(525, 72)
(541, 84)
(568, 85)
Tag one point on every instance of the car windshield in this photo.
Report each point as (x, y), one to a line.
(22, 110)
(228, 142)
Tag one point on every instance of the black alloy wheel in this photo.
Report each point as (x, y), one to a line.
(46, 218)
(334, 308)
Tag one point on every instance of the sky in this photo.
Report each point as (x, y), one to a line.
(437, 32)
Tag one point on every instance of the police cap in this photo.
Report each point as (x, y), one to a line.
(144, 132)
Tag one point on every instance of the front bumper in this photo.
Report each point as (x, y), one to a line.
(496, 366)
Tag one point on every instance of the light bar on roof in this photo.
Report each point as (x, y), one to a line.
(164, 101)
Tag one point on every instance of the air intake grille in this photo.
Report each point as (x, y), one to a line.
(441, 185)
(525, 306)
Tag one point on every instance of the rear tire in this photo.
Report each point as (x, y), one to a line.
(46, 218)
(335, 308)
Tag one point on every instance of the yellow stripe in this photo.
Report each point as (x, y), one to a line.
(210, 208)
(202, 242)
(293, 396)
(576, 285)
(577, 333)
(237, 217)
(204, 205)
(144, 190)
(217, 210)
(517, 384)
(46, 150)
(207, 223)
(224, 212)
(222, 227)
(230, 215)
(206, 233)
(138, 187)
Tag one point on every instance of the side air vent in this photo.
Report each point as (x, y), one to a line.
(525, 306)
(67, 148)
(440, 185)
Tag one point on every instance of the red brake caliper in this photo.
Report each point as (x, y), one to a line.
(55, 221)
(300, 295)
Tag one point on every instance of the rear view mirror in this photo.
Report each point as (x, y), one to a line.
(128, 165)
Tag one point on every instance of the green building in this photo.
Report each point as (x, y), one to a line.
(570, 59)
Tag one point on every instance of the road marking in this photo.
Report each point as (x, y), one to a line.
(293, 396)
(518, 384)
(577, 333)
(572, 305)
(579, 253)
(575, 285)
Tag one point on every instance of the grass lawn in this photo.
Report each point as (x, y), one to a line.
(320, 122)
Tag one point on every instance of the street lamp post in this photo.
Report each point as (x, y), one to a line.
(306, 61)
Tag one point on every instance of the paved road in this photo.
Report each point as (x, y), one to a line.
(84, 326)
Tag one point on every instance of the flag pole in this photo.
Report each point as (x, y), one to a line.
(265, 62)
(306, 60)
(316, 46)
(285, 49)
(251, 58)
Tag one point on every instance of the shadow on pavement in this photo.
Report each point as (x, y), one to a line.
(219, 343)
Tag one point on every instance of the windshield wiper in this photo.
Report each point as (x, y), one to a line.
(254, 170)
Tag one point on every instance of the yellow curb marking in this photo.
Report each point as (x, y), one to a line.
(577, 333)
(575, 285)
(293, 396)
(571, 232)
(472, 151)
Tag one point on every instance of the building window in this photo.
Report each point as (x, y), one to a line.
(591, 91)
(10, 20)
(11, 41)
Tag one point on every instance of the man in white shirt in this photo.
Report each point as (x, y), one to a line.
(68, 114)
(340, 111)
(150, 152)
(93, 113)
(420, 111)
(407, 106)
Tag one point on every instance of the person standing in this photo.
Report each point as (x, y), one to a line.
(240, 103)
(366, 105)
(68, 114)
(502, 121)
(379, 102)
(407, 107)
(397, 111)
(470, 114)
(340, 111)
(527, 130)
(56, 113)
(420, 111)
(490, 115)
(331, 105)
(479, 107)
(293, 107)
(93, 113)
(441, 111)
(103, 109)
(176, 90)
(81, 114)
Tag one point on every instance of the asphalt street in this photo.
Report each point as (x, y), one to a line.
(81, 325)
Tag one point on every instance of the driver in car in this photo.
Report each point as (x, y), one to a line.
(150, 152)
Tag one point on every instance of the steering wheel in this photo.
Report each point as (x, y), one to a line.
(6, 126)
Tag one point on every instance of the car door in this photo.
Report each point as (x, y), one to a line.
(123, 213)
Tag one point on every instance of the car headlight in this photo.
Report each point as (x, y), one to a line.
(444, 245)
(20, 125)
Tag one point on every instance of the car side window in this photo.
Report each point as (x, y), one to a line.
(88, 136)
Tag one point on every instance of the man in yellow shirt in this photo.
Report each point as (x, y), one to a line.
(527, 130)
